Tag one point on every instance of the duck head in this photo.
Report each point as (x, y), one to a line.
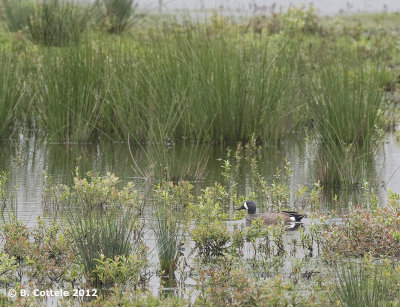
(248, 205)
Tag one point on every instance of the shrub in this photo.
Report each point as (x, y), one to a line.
(120, 269)
(365, 232)
(231, 286)
(211, 238)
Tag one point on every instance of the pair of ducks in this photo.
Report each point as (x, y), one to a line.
(291, 219)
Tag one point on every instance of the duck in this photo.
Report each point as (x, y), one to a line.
(292, 219)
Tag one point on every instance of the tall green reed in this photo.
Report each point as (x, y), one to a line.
(12, 93)
(347, 107)
(182, 162)
(71, 85)
(58, 22)
(103, 220)
(17, 13)
(204, 82)
(359, 285)
(99, 232)
(171, 207)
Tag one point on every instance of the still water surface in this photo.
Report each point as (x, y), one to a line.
(26, 159)
(248, 7)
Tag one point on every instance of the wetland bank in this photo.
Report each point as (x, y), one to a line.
(128, 139)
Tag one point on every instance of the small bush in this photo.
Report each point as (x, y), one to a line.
(231, 286)
(365, 232)
(211, 239)
(120, 269)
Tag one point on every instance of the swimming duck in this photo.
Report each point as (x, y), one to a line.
(291, 219)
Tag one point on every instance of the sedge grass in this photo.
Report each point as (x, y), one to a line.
(359, 285)
(17, 13)
(168, 231)
(58, 22)
(71, 91)
(347, 108)
(103, 233)
(204, 83)
(12, 94)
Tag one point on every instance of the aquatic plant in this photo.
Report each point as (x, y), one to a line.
(240, 86)
(17, 13)
(71, 90)
(229, 285)
(12, 93)
(3, 182)
(211, 238)
(171, 207)
(43, 254)
(117, 14)
(359, 285)
(102, 234)
(8, 267)
(295, 20)
(103, 221)
(57, 22)
(120, 270)
(347, 107)
(174, 163)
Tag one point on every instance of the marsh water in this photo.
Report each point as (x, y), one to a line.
(27, 160)
(324, 7)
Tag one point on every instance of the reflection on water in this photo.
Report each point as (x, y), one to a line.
(26, 159)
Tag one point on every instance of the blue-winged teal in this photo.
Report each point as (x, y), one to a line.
(290, 218)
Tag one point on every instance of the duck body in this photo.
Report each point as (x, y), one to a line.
(290, 218)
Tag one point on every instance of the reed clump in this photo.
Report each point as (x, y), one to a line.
(57, 22)
(104, 224)
(71, 89)
(13, 94)
(171, 207)
(347, 109)
(17, 13)
(207, 83)
(359, 285)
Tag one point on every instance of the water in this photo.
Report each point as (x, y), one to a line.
(26, 160)
(324, 7)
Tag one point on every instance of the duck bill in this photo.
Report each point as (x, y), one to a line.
(241, 208)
